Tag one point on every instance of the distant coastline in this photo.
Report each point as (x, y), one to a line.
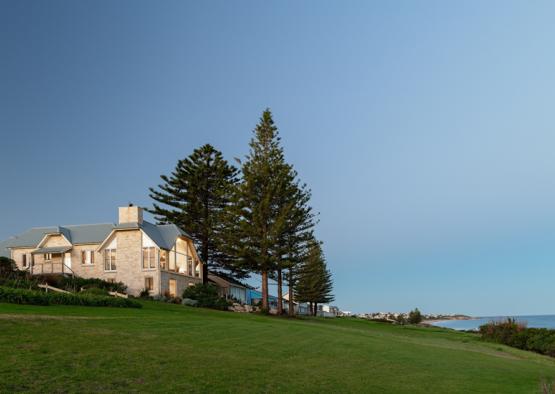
(473, 323)
(446, 318)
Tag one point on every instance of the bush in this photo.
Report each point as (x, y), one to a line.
(76, 283)
(32, 297)
(95, 291)
(7, 267)
(512, 333)
(206, 295)
(145, 293)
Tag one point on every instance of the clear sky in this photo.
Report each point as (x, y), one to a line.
(426, 130)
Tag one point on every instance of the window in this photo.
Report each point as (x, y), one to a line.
(189, 265)
(110, 260)
(87, 257)
(47, 256)
(24, 260)
(172, 287)
(149, 283)
(197, 269)
(111, 280)
(163, 259)
(149, 257)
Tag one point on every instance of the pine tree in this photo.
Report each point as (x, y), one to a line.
(261, 208)
(298, 232)
(195, 197)
(314, 283)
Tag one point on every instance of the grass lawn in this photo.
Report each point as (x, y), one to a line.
(171, 348)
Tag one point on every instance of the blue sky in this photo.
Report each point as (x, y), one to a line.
(425, 129)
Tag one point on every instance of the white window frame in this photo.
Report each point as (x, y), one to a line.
(110, 257)
(89, 257)
(149, 252)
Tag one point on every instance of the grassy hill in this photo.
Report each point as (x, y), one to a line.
(170, 348)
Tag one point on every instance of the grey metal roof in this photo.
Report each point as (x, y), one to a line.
(57, 249)
(76, 234)
(164, 235)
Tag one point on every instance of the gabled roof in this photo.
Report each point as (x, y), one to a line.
(164, 235)
(76, 234)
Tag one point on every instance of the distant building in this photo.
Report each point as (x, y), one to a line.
(229, 288)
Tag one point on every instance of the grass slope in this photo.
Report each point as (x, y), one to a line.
(170, 348)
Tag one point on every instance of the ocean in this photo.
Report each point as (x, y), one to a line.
(538, 321)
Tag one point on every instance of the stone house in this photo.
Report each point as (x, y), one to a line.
(142, 255)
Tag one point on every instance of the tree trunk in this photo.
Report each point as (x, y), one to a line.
(280, 292)
(310, 310)
(291, 303)
(265, 291)
(315, 309)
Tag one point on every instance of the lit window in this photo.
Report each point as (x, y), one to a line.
(190, 265)
(163, 258)
(172, 284)
(149, 283)
(110, 259)
(47, 256)
(149, 257)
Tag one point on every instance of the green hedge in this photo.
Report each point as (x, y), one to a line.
(515, 334)
(32, 297)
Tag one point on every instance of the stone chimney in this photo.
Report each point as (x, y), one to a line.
(130, 214)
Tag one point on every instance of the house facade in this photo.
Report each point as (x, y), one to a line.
(142, 255)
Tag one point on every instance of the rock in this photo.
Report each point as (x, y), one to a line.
(189, 302)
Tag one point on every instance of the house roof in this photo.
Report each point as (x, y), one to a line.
(219, 278)
(76, 234)
(57, 249)
(164, 235)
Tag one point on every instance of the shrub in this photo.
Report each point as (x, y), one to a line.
(32, 297)
(95, 291)
(7, 266)
(76, 283)
(516, 334)
(145, 293)
(206, 295)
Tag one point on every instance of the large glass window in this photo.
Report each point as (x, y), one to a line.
(163, 259)
(149, 257)
(189, 265)
(110, 259)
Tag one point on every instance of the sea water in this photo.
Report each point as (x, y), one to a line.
(537, 321)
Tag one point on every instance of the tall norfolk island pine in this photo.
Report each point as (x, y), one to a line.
(262, 203)
(195, 197)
